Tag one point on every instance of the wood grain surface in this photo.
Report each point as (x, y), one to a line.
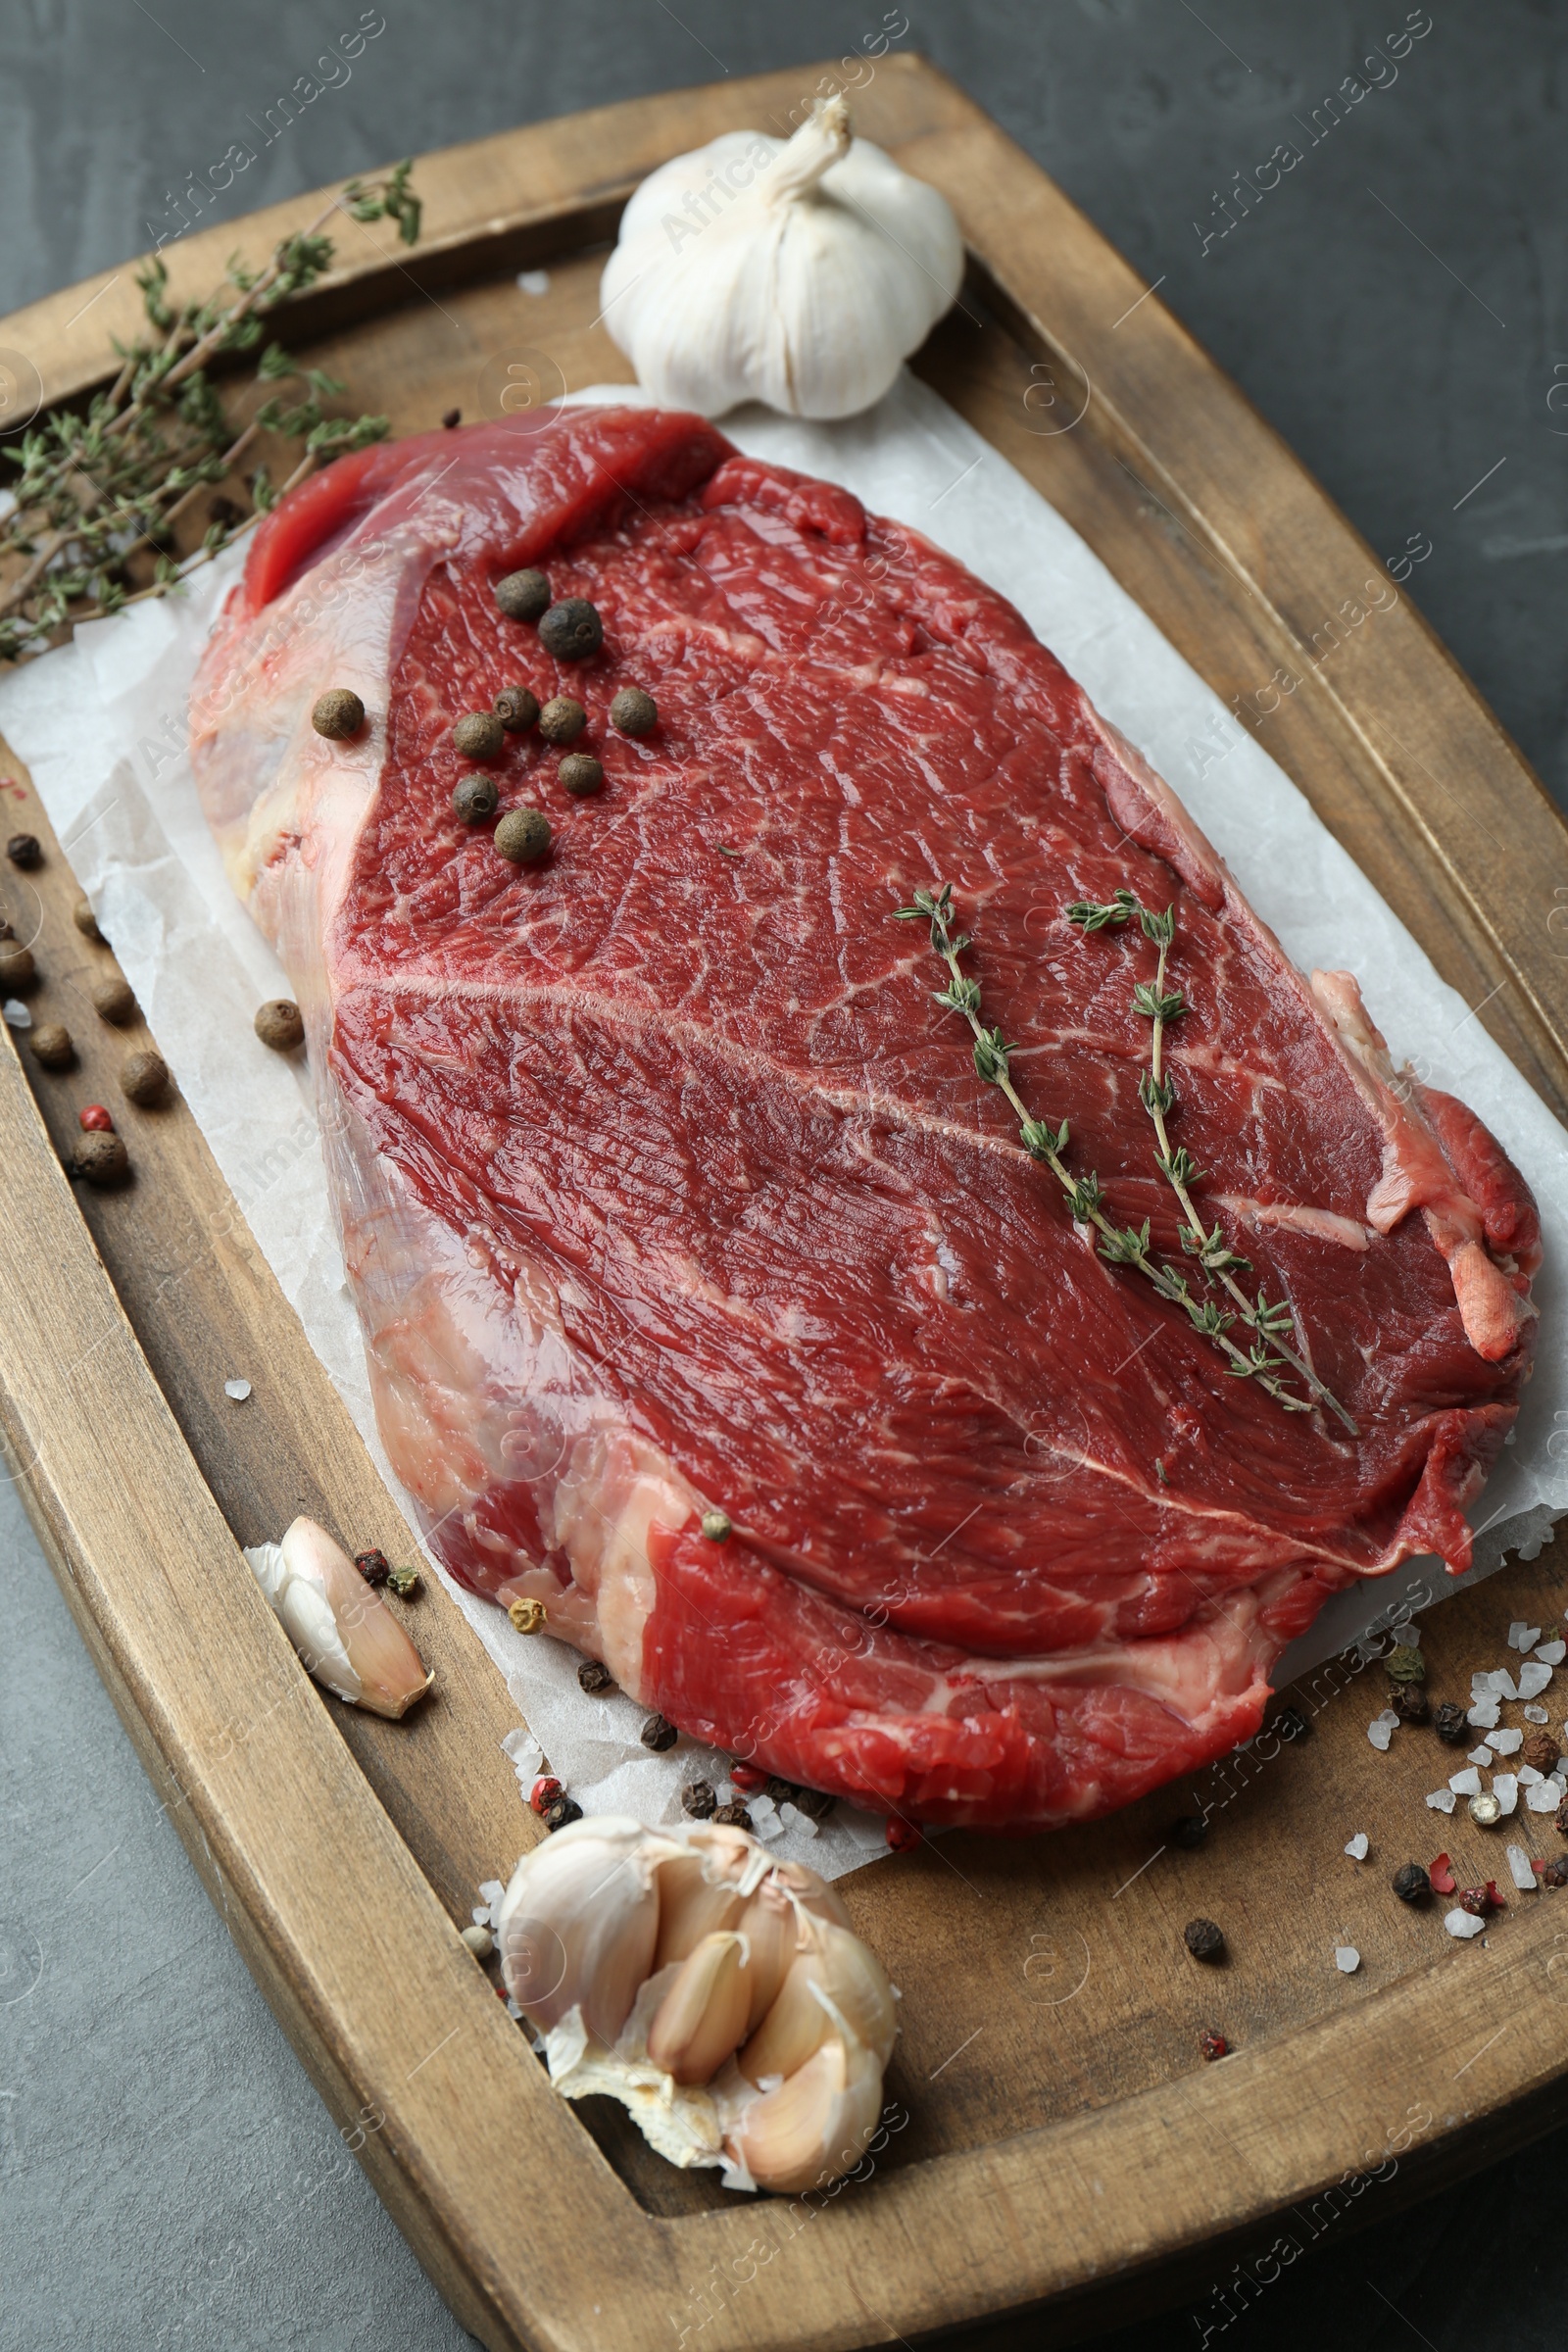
(1054, 2135)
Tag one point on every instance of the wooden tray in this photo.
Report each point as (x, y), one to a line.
(1059, 2139)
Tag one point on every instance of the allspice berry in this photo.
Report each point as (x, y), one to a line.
(144, 1077)
(633, 712)
(112, 997)
(280, 1025)
(562, 719)
(479, 735)
(581, 777)
(17, 967)
(571, 630)
(523, 836)
(24, 850)
(86, 922)
(475, 799)
(338, 713)
(51, 1045)
(518, 709)
(523, 595)
(102, 1158)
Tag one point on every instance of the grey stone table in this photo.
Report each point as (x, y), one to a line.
(1398, 309)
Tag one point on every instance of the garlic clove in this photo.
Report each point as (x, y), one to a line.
(769, 1923)
(837, 1984)
(578, 1924)
(816, 2124)
(692, 1905)
(702, 2017)
(812, 1893)
(347, 1638)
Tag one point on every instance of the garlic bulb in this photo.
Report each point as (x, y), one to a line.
(723, 1997)
(800, 273)
(346, 1636)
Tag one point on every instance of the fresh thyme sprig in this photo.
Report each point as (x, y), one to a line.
(1267, 1320)
(1124, 1245)
(97, 495)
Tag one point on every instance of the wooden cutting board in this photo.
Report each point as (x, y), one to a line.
(1054, 2138)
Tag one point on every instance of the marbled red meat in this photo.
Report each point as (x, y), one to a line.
(666, 1183)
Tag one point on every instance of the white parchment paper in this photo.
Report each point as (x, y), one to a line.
(101, 725)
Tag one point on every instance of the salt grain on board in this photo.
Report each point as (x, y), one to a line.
(1528, 1776)
(1466, 1783)
(17, 1016)
(1463, 1923)
(1358, 1845)
(1380, 1731)
(1545, 1796)
(1522, 1636)
(1441, 1801)
(1537, 1715)
(1508, 1743)
(1505, 1788)
(1524, 1878)
(1481, 1756)
(1347, 1959)
(1534, 1676)
(1484, 1714)
(1552, 1654)
(238, 1390)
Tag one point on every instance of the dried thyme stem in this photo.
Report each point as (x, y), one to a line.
(1158, 1094)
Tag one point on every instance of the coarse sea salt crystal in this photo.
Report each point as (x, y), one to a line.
(1521, 1637)
(1508, 1743)
(1534, 1676)
(1347, 1959)
(1552, 1654)
(1463, 1923)
(1484, 1714)
(1527, 1777)
(1524, 1878)
(17, 1016)
(1537, 1715)
(1358, 1845)
(799, 1824)
(1380, 1731)
(1406, 1636)
(1481, 1756)
(1441, 1801)
(1499, 1683)
(1466, 1783)
(238, 1390)
(1545, 1796)
(1505, 1788)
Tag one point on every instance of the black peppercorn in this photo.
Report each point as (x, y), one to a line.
(1411, 1884)
(581, 777)
(1450, 1724)
(659, 1732)
(571, 630)
(814, 1803)
(516, 708)
(733, 1815)
(564, 1809)
(372, 1566)
(1189, 1829)
(1560, 1819)
(1409, 1701)
(698, 1800)
(523, 595)
(1290, 1724)
(451, 418)
(1203, 1940)
(594, 1676)
(26, 851)
(1555, 1873)
(633, 712)
(475, 799)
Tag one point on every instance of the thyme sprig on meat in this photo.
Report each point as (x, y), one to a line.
(1268, 1320)
(97, 494)
(1048, 1143)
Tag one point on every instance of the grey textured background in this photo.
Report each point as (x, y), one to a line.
(1398, 309)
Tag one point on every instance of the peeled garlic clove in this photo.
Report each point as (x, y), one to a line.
(346, 1636)
(816, 2124)
(702, 2017)
(579, 1922)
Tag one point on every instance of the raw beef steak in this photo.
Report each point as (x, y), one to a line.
(667, 1186)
